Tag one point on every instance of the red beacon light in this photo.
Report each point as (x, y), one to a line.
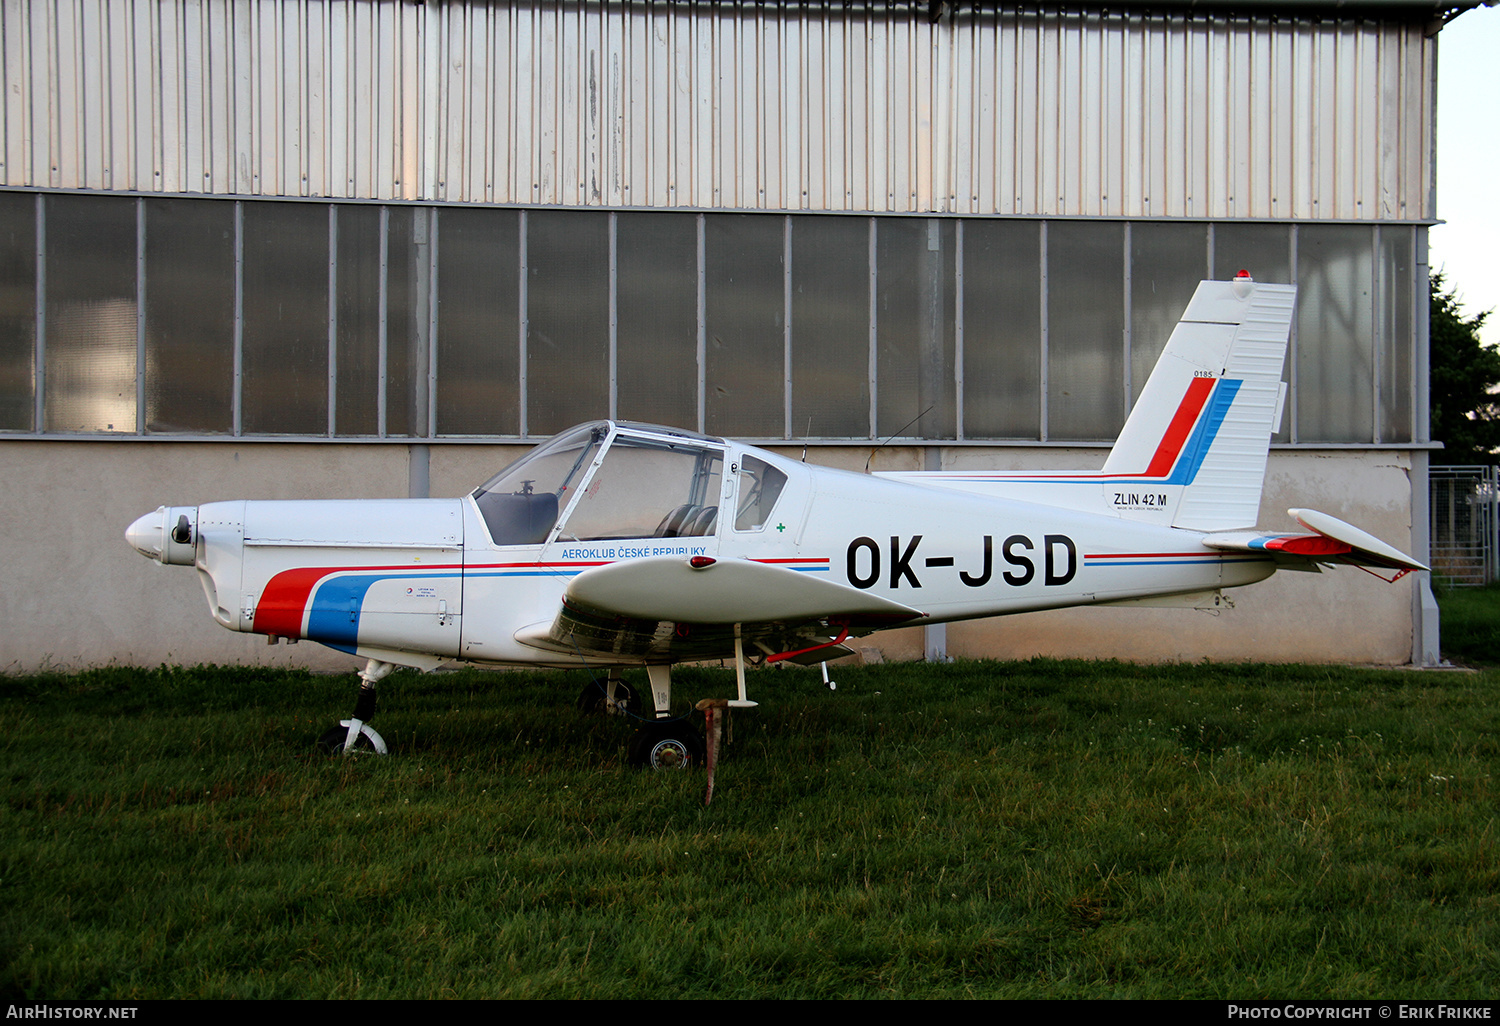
(701, 562)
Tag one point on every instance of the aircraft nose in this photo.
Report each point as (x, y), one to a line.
(168, 535)
(146, 535)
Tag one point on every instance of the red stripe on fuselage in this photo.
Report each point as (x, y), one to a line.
(1181, 426)
(282, 604)
(284, 601)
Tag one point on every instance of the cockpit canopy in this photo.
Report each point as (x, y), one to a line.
(608, 480)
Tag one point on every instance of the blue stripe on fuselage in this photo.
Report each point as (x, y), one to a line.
(333, 618)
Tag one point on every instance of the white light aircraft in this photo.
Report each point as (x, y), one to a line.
(618, 545)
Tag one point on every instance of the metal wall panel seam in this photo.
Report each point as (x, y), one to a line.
(1293, 349)
(872, 358)
(140, 316)
(701, 306)
(1044, 327)
(524, 325)
(1378, 334)
(434, 234)
(614, 316)
(786, 325)
(382, 323)
(39, 349)
(237, 401)
(1129, 312)
(333, 318)
(958, 329)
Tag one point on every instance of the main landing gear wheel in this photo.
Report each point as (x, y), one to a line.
(666, 746)
(335, 739)
(594, 698)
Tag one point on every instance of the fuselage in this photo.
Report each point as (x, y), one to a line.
(426, 580)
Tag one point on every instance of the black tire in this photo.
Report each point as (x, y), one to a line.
(334, 737)
(594, 698)
(663, 746)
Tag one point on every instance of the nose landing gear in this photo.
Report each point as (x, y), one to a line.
(355, 734)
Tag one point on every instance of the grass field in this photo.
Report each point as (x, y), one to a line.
(1471, 625)
(1039, 829)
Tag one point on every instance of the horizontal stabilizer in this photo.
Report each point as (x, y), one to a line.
(1332, 541)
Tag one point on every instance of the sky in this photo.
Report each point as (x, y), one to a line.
(1467, 248)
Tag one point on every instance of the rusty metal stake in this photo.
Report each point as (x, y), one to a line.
(715, 714)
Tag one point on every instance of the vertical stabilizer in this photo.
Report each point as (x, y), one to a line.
(1202, 427)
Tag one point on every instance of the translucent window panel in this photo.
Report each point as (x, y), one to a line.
(1002, 329)
(745, 361)
(285, 334)
(1266, 252)
(357, 303)
(17, 311)
(91, 314)
(1263, 250)
(1085, 329)
(1335, 330)
(656, 333)
(189, 316)
(831, 327)
(567, 318)
(1167, 261)
(478, 337)
(915, 290)
(1397, 333)
(408, 272)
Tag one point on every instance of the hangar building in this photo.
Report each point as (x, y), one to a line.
(365, 248)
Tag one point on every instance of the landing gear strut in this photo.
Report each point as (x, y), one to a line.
(355, 734)
(613, 697)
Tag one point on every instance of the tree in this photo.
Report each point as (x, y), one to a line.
(1464, 375)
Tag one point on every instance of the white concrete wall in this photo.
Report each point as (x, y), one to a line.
(76, 595)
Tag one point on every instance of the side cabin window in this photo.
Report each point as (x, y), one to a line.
(520, 504)
(760, 487)
(649, 488)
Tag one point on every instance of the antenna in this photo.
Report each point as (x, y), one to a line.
(889, 437)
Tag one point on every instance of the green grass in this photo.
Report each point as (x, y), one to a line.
(1470, 623)
(1041, 829)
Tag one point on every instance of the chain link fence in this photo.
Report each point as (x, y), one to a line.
(1464, 524)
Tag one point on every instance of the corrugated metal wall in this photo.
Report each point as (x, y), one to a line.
(722, 106)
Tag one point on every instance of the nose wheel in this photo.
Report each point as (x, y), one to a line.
(336, 739)
(354, 734)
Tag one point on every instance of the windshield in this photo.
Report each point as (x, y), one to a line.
(521, 503)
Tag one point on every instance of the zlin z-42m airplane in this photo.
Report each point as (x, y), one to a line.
(617, 545)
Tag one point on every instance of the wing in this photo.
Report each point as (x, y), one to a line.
(666, 608)
(1332, 541)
